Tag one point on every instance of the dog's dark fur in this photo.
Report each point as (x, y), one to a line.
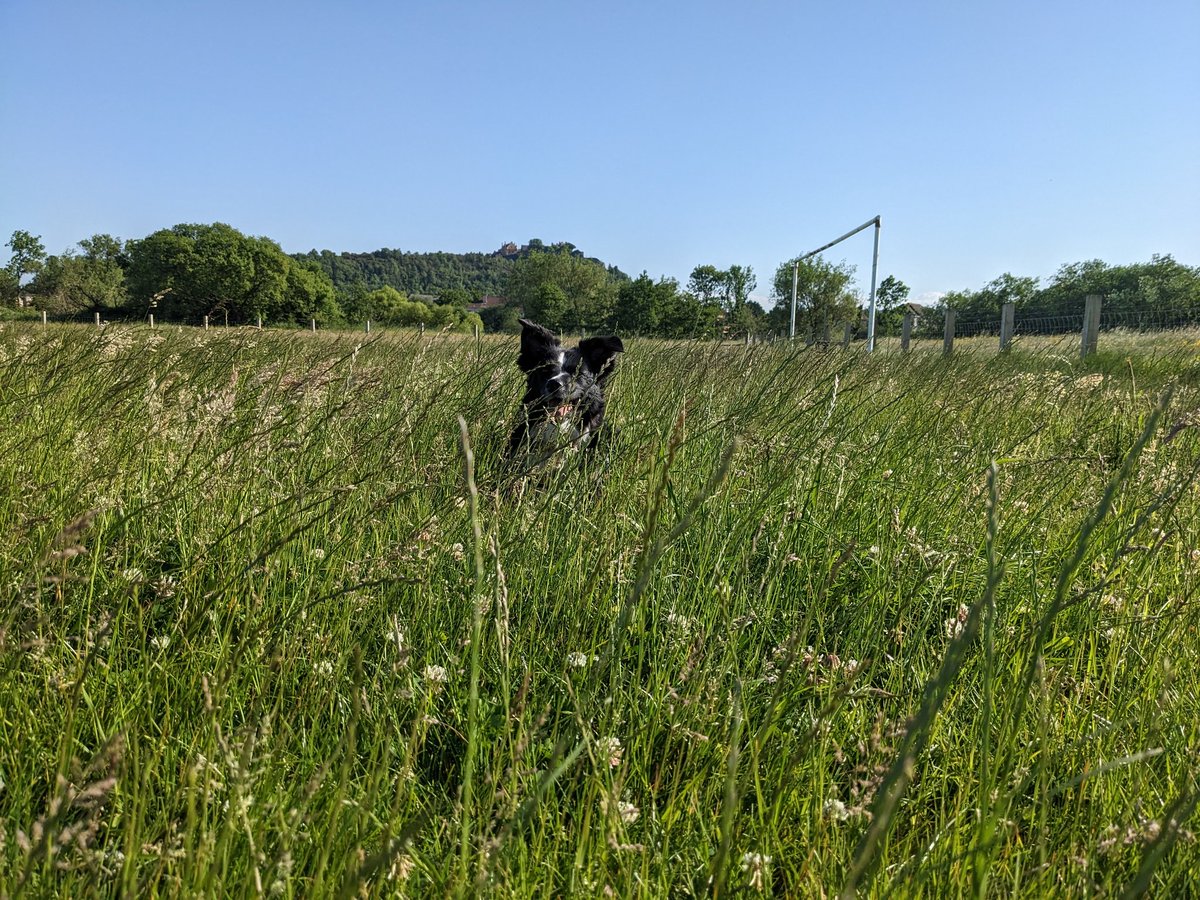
(564, 397)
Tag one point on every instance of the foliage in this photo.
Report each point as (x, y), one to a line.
(27, 256)
(10, 288)
(505, 319)
(387, 306)
(890, 297)
(268, 633)
(824, 298)
(453, 277)
(1161, 292)
(93, 281)
(191, 271)
(563, 291)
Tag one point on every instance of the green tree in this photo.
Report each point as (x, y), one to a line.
(707, 283)
(586, 285)
(687, 316)
(505, 319)
(640, 304)
(213, 269)
(890, 297)
(28, 255)
(824, 298)
(457, 297)
(93, 281)
(383, 305)
(10, 288)
(549, 305)
(739, 281)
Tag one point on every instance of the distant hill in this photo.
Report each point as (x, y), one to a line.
(432, 273)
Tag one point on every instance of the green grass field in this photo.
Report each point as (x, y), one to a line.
(821, 623)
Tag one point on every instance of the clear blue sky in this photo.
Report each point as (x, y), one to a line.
(991, 137)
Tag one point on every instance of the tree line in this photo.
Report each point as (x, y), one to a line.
(191, 271)
(1157, 293)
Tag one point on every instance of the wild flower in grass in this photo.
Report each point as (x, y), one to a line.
(954, 627)
(164, 587)
(133, 575)
(317, 553)
(610, 749)
(756, 865)
(436, 674)
(394, 633)
(160, 641)
(1194, 556)
(241, 804)
(577, 660)
(283, 875)
(836, 810)
(627, 812)
(324, 668)
(457, 552)
(402, 867)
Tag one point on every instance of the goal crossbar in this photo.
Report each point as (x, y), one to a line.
(877, 222)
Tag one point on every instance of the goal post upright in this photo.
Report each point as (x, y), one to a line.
(877, 222)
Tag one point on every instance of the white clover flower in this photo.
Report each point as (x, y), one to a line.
(436, 674)
(610, 748)
(318, 553)
(836, 810)
(324, 667)
(577, 660)
(755, 865)
(134, 575)
(164, 587)
(628, 812)
(160, 641)
(393, 632)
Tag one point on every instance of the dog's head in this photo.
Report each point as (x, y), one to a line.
(562, 383)
(561, 379)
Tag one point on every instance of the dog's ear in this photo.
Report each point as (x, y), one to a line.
(538, 346)
(599, 354)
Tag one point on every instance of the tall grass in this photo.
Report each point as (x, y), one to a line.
(275, 622)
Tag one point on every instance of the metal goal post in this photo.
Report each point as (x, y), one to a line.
(874, 272)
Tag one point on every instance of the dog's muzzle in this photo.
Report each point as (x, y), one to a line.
(558, 429)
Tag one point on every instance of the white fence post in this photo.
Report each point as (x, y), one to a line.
(206, 323)
(1008, 313)
(43, 318)
(260, 323)
(368, 326)
(151, 320)
(314, 324)
(1091, 325)
(948, 340)
(97, 320)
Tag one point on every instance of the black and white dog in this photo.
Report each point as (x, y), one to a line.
(564, 401)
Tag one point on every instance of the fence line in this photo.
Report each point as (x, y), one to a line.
(1089, 323)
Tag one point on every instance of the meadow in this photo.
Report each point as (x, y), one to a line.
(274, 621)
